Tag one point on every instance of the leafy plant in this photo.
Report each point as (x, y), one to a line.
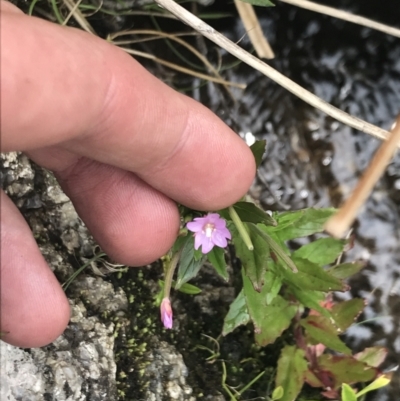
(284, 291)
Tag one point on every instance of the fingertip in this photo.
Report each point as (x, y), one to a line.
(34, 308)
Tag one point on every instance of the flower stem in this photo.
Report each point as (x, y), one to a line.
(241, 228)
(169, 272)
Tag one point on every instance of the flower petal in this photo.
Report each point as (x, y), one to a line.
(207, 246)
(218, 239)
(195, 226)
(166, 313)
(198, 239)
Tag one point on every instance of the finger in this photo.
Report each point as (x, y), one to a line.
(34, 309)
(100, 103)
(134, 223)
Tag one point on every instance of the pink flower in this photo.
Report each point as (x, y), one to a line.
(209, 231)
(166, 313)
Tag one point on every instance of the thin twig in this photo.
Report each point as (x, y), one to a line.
(253, 29)
(338, 224)
(182, 69)
(216, 37)
(344, 15)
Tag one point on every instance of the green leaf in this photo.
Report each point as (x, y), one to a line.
(262, 3)
(238, 314)
(312, 277)
(277, 394)
(190, 289)
(381, 381)
(291, 370)
(345, 313)
(188, 265)
(321, 330)
(372, 356)
(180, 242)
(310, 299)
(272, 285)
(346, 270)
(258, 150)
(217, 258)
(301, 223)
(269, 320)
(322, 252)
(254, 262)
(248, 212)
(275, 247)
(348, 394)
(346, 369)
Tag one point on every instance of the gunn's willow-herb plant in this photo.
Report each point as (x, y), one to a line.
(282, 290)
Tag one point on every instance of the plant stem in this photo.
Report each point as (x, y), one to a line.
(169, 274)
(241, 228)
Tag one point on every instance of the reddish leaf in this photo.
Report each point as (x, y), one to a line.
(345, 369)
(372, 356)
(321, 330)
(345, 313)
(292, 368)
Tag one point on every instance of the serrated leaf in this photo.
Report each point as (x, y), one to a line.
(272, 284)
(217, 258)
(249, 213)
(323, 331)
(381, 381)
(312, 277)
(188, 265)
(372, 356)
(346, 369)
(262, 3)
(258, 150)
(346, 270)
(278, 250)
(291, 370)
(301, 223)
(345, 313)
(254, 262)
(322, 252)
(348, 394)
(269, 320)
(310, 299)
(238, 314)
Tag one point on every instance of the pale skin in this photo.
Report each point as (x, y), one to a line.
(125, 148)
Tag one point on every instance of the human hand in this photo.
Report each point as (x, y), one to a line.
(124, 146)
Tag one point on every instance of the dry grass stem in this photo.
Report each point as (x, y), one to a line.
(183, 69)
(216, 37)
(344, 15)
(164, 35)
(253, 29)
(338, 224)
(72, 11)
(79, 17)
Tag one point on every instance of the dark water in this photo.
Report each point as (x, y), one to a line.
(314, 161)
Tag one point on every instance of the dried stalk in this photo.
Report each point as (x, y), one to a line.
(182, 69)
(338, 224)
(216, 37)
(344, 15)
(79, 17)
(253, 29)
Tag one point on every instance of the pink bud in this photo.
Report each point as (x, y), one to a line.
(166, 313)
